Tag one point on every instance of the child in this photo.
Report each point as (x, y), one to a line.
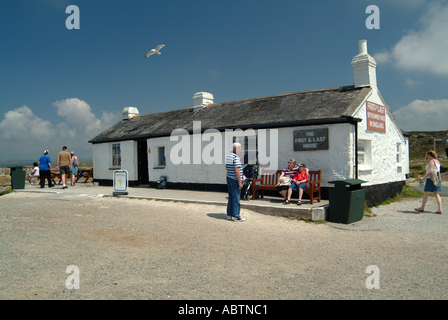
(298, 183)
(34, 173)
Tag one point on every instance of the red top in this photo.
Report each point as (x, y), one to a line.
(300, 176)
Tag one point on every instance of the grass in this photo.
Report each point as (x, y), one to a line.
(406, 193)
(6, 192)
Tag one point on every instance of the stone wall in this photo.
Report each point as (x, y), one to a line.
(5, 179)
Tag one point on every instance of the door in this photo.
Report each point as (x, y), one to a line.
(143, 176)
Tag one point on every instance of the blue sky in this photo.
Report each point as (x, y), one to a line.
(62, 87)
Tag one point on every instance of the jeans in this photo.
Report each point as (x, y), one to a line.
(233, 205)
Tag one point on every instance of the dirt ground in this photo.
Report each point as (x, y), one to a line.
(141, 249)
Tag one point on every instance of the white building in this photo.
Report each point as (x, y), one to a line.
(347, 132)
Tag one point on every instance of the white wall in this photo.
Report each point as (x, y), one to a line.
(102, 153)
(337, 163)
(384, 167)
(102, 160)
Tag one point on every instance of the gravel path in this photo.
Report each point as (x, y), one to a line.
(141, 249)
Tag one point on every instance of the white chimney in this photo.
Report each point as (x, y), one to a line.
(364, 67)
(129, 113)
(202, 99)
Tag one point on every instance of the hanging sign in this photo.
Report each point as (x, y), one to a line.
(376, 117)
(120, 182)
(311, 139)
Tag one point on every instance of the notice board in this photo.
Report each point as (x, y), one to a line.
(376, 117)
(311, 139)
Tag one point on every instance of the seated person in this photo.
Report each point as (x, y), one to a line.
(299, 183)
(34, 173)
(288, 172)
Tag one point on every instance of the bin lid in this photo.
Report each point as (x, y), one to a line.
(349, 182)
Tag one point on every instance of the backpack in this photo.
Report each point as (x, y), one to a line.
(161, 183)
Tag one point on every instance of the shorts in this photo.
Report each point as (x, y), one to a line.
(296, 187)
(282, 188)
(64, 169)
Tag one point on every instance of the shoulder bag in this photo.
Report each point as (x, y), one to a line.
(435, 177)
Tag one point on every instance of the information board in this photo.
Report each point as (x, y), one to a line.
(376, 117)
(120, 182)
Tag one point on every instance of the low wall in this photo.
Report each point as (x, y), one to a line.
(5, 179)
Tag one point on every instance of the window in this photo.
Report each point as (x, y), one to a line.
(365, 155)
(116, 155)
(361, 152)
(161, 157)
(398, 153)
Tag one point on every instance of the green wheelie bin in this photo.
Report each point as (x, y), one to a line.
(346, 201)
(18, 176)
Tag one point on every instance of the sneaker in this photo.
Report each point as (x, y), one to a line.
(240, 219)
(230, 218)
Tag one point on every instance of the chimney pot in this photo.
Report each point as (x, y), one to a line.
(129, 113)
(364, 67)
(362, 46)
(202, 99)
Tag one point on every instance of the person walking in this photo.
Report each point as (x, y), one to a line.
(73, 167)
(63, 164)
(234, 184)
(45, 170)
(431, 164)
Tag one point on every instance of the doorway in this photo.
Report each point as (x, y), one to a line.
(143, 175)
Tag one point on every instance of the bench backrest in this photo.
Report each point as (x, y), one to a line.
(315, 175)
(270, 177)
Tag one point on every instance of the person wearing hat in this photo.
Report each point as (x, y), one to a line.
(45, 170)
(298, 183)
(63, 163)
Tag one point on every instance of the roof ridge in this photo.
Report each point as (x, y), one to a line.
(249, 99)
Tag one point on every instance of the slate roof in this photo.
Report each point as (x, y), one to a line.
(294, 109)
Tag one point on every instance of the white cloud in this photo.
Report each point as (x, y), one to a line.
(424, 50)
(25, 135)
(79, 116)
(22, 124)
(412, 83)
(423, 116)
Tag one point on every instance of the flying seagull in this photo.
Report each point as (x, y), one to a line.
(156, 50)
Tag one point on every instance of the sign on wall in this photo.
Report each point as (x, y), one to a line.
(376, 117)
(311, 139)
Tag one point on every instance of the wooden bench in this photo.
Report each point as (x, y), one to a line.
(269, 180)
(87, 173)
